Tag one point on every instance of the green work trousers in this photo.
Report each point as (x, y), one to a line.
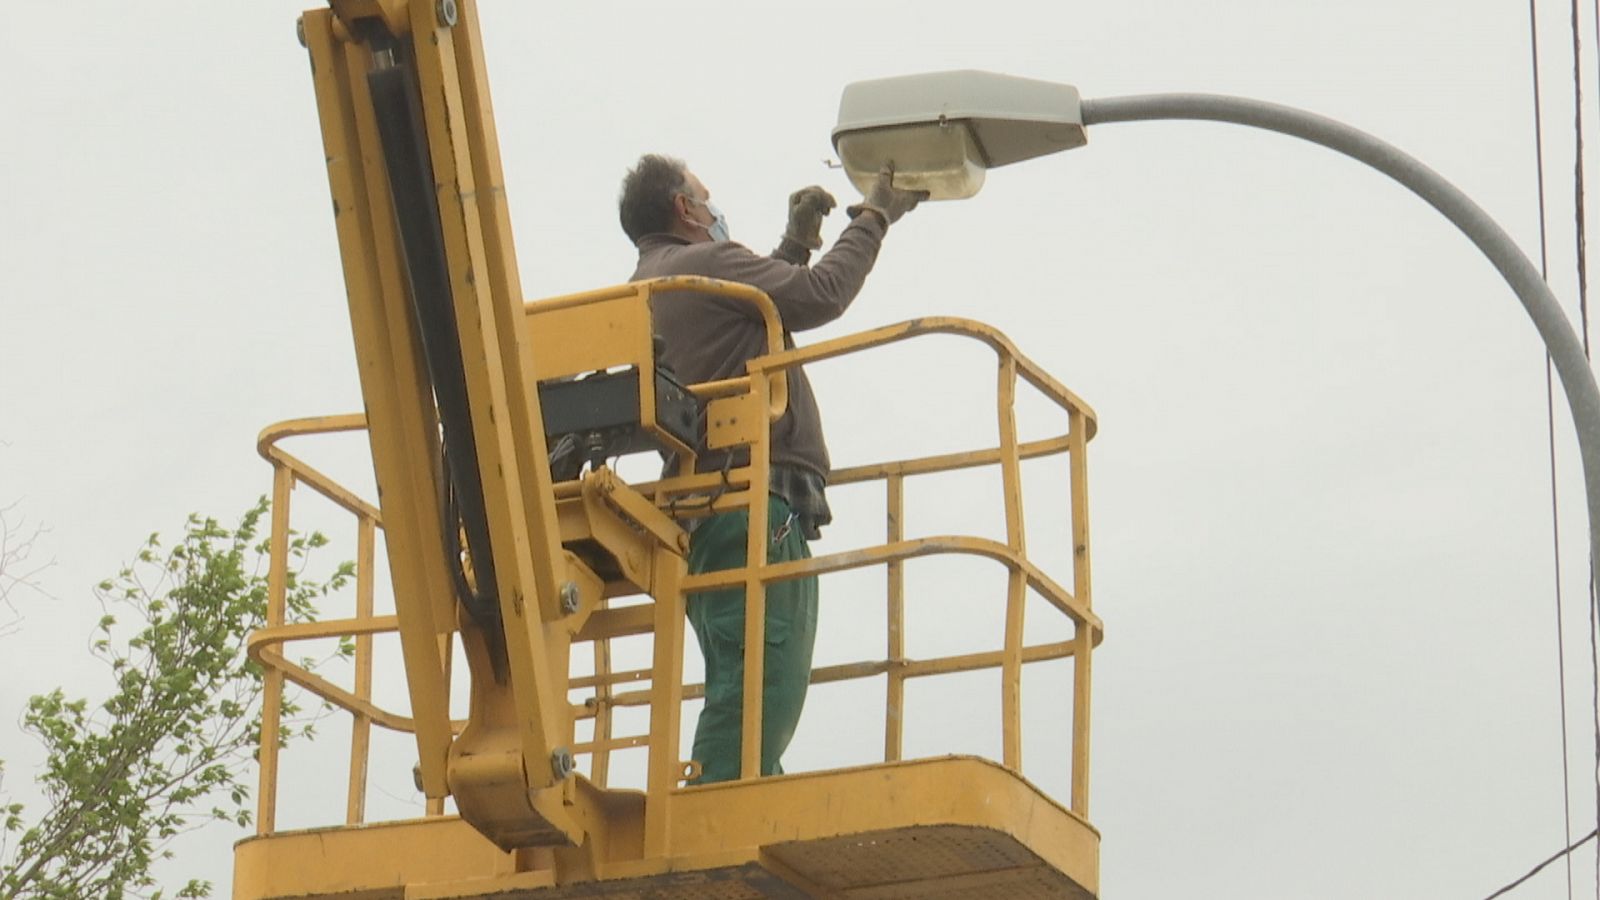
(718, 621)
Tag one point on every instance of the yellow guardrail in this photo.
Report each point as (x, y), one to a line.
(1073, 599)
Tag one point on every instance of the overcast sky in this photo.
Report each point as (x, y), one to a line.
(1320, 494)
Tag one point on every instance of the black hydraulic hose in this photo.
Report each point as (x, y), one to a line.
(405, 150)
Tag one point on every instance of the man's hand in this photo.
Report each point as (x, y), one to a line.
(888, 201)
(807, 207)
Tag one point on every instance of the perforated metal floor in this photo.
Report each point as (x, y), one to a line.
(839, 835)
(748, 882)
(933, 862)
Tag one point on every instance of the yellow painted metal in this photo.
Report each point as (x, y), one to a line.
(944, 462)
(400, 419)
(376, 860)
(616, 324)
(1041, 583)
(272, 687)
(361, 727)
(608, 323)
(621, 340)
(454, 104)
(1016, 585)
(486, 197)
(267, 446)
(617, 330)
(951, 827)
(895, 607)
(1081, 429)
(906, 668)
(666, 702)
(600, 753)
(602, 486)
(632, 620)
(515, 480)
(1027, 369)
(395, 13)
(923, 828)
(592, 512)
(755, 599)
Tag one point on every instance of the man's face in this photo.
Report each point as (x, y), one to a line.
(693, 214)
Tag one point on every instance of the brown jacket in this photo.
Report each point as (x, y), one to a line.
(708, 337)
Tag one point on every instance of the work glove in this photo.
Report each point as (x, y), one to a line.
(887, 200)
(807, 207)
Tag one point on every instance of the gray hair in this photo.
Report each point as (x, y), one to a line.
(645, 204)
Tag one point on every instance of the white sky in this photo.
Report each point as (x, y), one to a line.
(1320, 493)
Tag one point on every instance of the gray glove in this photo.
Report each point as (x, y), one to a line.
(888, 201)
(807, 207)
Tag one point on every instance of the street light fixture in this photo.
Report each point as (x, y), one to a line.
(942, 130)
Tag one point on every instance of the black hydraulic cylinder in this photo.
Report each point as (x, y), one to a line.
(416, 208)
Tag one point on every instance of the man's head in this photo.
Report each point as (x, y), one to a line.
(661, 196)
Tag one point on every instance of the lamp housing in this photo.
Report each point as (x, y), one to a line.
(940, 131)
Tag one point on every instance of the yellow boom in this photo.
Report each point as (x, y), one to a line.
(471, 397)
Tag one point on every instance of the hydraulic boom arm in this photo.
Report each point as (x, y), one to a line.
(446, 373)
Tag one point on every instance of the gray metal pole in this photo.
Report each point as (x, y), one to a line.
(1566, 350)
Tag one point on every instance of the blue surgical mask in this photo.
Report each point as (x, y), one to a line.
(718, 229)
(719, 223)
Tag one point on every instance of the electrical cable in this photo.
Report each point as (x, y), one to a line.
(1580, 236)
(1581, 228)
(1550, 419)
(1540, 867)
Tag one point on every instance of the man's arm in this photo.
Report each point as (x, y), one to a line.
(806, 296)
(803, 235)
(793, 253)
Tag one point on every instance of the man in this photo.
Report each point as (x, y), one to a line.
(668, 214)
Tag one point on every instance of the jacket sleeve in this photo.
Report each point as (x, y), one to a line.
(806, 296)
(790, 252)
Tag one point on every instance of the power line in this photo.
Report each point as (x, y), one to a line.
(1580, 237)
(1550, 417)
(1540, 867)
(1581, 227)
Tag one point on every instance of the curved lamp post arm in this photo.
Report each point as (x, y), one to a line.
(1565, 349)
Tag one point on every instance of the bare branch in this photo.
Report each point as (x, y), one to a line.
(18, 571)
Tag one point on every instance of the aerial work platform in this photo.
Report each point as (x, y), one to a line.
(952, 826)
(936, 829)
(514, 544)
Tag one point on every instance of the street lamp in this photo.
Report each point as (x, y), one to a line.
(942, 130)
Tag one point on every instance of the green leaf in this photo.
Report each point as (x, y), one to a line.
(172, 746)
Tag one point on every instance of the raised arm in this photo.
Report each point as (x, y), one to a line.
(807, 296)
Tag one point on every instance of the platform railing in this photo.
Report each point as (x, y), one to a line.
(1009, 453)
(266, 646)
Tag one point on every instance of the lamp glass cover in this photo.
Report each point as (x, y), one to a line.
(938, 157)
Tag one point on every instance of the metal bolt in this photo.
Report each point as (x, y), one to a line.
(446, 11)
(300, 30)
(562, 763)
(569, 597)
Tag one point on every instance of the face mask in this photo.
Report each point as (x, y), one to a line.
(718, 229)
(719, 223)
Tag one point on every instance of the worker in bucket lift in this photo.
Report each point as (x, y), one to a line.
(668, 214)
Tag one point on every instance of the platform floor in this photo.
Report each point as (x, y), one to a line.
(951, 828)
